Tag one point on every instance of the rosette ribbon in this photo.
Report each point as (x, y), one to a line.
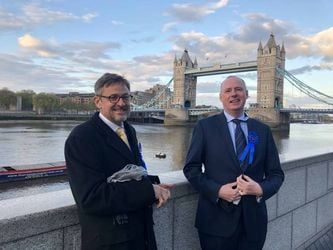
(141, 157)
(253, 139)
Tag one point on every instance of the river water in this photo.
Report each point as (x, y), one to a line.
(31, 142)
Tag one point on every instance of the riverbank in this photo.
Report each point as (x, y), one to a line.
(29, 115)
(135, 117)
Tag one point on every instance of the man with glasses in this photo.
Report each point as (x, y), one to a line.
(116, 214)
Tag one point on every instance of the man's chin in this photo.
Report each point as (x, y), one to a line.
(122, 118)
(235, 107)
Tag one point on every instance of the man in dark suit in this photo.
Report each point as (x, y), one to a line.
(116, 215)
(232, 188)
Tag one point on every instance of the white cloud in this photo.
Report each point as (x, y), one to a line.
(219, 49)
(36, 14)
(93, 57)
(32, 15)
(64, 65)
(257, 26)
(32, 44)
(116, 23)
(303, 101)
(318, 45)
(88, 17)
(189, 12)
(28, 41)
(322, 44)
(9, 20)
(208, 99)
(70, 51)
(169, 26)
(309, 68)
(18, 73)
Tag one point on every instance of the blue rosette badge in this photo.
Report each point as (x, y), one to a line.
(141, 157)
(253, 139)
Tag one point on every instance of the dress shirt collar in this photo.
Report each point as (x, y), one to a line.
(110, 124)
(242, 117)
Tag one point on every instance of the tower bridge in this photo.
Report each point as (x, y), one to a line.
(269, 85)
(270, 67)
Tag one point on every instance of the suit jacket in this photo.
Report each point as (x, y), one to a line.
(111, 214)
(212, 146)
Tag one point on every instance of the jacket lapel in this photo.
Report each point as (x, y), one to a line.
(112, 139)
(226, 137)
(132, 139)
(115, 141)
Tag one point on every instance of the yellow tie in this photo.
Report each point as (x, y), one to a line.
(122, 135)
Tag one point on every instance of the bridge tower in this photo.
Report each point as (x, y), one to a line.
(184, 86)
(184, 91)
(270, 85)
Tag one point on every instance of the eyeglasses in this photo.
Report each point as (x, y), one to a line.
(116, 98)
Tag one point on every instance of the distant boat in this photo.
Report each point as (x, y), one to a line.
(160, 155)
(24, 172)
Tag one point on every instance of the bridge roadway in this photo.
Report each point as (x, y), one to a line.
(159, 114)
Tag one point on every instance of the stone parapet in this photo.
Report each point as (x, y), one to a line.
(300, 213)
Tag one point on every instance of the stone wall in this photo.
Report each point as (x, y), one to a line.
(300, 213)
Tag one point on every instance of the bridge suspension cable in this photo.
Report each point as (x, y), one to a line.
(153, 103)
(306, 89)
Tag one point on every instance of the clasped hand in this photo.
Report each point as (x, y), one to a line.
(162, 193)
(243, 185)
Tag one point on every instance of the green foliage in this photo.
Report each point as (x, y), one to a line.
(69, 105)
(44, 102)
(27, 96)
(7, 98)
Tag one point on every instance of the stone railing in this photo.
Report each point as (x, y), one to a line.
(300, 213)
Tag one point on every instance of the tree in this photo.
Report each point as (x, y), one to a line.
(45, 102)
(90, 106)
(26, 99)
(7, 98)
(70, 106)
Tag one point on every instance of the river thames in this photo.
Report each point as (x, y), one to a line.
(31, 142)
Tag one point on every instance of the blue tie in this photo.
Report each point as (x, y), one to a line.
(240, 140)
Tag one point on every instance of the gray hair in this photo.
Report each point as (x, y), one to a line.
(239, 79)
(108, 79)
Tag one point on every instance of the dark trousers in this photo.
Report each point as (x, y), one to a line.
(238, 241)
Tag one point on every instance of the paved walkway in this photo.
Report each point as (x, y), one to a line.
(325, 242)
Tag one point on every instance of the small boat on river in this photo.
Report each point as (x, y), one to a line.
(160, 155)
(24, 172)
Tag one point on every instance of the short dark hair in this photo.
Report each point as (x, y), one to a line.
(108, 79)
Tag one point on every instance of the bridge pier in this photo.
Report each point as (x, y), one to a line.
(176, 117)
(183, 116)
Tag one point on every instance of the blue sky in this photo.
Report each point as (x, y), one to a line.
(60, 46)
